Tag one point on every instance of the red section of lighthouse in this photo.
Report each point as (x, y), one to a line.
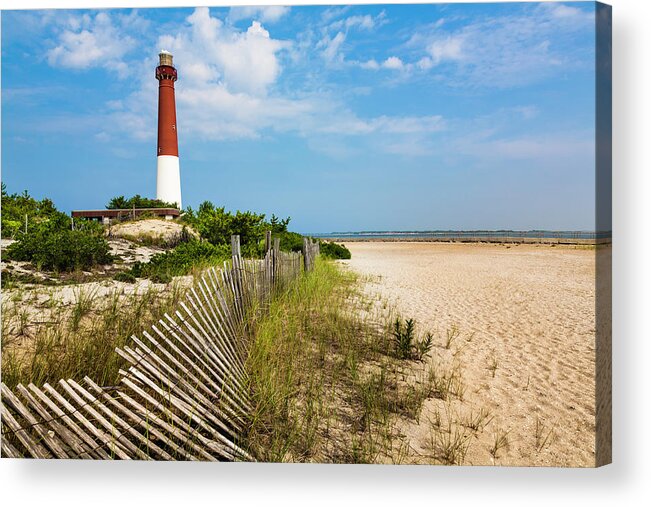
(168, 182)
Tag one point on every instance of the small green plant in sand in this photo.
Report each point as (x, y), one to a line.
(449, 443)
(477, 421)
(500, 441)
(407, 346)
(451, 335)
(447, 382)
(493, 364)
(543, 435)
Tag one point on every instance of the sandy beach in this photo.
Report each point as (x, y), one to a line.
(525, 346)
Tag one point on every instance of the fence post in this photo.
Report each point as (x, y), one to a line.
(235, 246)
(306, 262)
(276, 258)
(267, 241)
(237, 263)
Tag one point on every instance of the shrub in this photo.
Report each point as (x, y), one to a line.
(278, 224)
(125, 276)
(290, 241)
(180, 261)
(57, 249)
(15, 207)
(333, 250)
(218, 225)
(138, 201)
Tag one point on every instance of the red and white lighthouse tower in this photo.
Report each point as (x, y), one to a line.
(168, 181)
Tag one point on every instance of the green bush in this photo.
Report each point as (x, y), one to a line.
(217, 225)
(48, 241)
(334, 251)
(57, 249)
(290, 241)
(180, 261)
(17, 207)
(278, 224)
(125, 276)
(137, 201)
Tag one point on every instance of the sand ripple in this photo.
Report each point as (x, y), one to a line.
(529, 310)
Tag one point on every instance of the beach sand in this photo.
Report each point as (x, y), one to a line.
(525, 349)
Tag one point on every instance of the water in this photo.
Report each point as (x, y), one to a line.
(414, 235)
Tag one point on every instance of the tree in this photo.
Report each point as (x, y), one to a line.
(217, 225)
(278, 225)
(137, 201)
(20, 208)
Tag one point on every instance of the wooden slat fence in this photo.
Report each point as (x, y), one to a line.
(311, 249)
(183, 392)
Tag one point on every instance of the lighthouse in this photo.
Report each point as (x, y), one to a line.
(168, 178)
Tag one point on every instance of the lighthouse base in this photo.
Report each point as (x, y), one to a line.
(168, 181)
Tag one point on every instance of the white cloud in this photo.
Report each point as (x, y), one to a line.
(507, 50)
(527, 112)
(425, 63)
(264, 13)
(393, 62)
(334, 12)
(331, 47)
(559, 10)
(99, 41)
(207, 51)
(227, 86)
(409, 124)
(370, 64)
(366, 22)
(449, 48)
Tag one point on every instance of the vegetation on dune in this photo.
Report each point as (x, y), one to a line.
(326, 384)
(61, 249)
(22, 213)
(330, 374)
(407, 346)
(137, 201)
(79, 339)
(181, 260)
(334, 250)
(46, 238)
(216, 225)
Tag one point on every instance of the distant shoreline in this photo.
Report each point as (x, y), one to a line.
(567, 237)
(468, 239)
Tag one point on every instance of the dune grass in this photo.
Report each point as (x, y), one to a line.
(44, 340)
(325, 380)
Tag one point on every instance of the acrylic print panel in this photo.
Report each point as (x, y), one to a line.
(339, 234)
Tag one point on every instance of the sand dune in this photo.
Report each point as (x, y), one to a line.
(526, 345)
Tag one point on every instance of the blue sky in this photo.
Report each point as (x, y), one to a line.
(377, 117)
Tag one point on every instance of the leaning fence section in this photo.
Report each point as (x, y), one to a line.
(183, 390)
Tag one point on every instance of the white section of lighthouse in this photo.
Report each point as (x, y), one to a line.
(168, 181)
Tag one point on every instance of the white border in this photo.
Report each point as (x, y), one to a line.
(627, 481)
